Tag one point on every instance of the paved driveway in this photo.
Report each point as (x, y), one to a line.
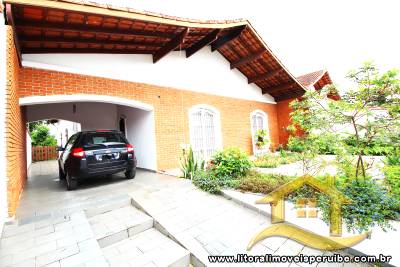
(203, 224)
(44, 193)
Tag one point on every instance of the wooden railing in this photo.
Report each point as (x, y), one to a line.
(41, 153)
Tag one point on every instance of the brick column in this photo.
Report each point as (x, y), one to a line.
(3, 74)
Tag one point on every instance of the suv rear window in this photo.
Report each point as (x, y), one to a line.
(102, 137)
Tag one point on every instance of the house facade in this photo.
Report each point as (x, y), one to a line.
(165, 82)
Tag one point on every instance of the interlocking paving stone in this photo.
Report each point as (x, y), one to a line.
(118, 224)
(147, 247)
(178, 207)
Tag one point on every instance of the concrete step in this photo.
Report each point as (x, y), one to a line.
(148, 248)
(118, 224)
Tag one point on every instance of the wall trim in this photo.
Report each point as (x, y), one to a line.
(54, 99)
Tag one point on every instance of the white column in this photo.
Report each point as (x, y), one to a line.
(3, 161)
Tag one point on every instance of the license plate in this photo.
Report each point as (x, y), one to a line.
(109, 156)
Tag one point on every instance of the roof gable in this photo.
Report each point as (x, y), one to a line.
(78, 26)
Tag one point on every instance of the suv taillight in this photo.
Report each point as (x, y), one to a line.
(78, 152)
(129, 148)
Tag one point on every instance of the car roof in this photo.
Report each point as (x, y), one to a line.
(100, 131)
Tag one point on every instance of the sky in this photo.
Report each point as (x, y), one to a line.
(306, 35)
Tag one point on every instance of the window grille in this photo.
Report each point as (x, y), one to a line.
(203, 132)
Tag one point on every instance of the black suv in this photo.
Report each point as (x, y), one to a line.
(96, 153)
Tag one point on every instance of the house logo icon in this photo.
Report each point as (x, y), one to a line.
(279, 227)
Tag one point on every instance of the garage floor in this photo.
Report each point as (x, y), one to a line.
(44, 193)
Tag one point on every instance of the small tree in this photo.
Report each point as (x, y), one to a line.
(41, 136)
(366, 114)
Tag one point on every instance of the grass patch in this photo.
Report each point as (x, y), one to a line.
(261, 183)
(274, 160)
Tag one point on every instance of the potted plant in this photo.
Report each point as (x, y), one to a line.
(261, 138)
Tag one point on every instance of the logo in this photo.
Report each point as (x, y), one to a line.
(279, 227)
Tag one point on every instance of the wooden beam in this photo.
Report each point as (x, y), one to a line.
(11, 22)
(208, 39)
(289, 96)
(155, 45)
(171, 45)
(264, 76)
(83, 50)
(248, 59)
(90, 29)
(232, 35)
(276, 89)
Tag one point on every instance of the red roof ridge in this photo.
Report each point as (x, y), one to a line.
(309, 79)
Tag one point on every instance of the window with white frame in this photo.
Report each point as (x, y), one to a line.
(204, 131)
(259, 121)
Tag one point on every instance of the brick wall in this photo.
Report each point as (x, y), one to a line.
(170, 106)
(15, 130)
(284, 121)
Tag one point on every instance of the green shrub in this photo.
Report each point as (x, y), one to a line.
(295, 144)
(375, 148)
(371, 206)
(392, 180)
(41, 136)
(266, 162)
(262, 183)
(230, 162)
(394, 158)
(206, 182)
(272, 160)
(189, 165)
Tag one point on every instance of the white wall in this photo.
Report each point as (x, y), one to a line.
(205, 71)
(3, 161)
(58, 130)
(91, 116)
(140, 124)
(28, 150)
(140, 128)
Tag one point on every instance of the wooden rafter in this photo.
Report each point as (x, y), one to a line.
(155, 45)
(232, 35)
(84, 50)
(10, 21)
(279, 88)
(209, 38)
(171, 45)
(248, 59)
(90, 29)
(264, 76)
(289, 96)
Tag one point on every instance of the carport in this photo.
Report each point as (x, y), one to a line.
(94, 112)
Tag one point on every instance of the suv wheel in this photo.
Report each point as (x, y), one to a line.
(61, 174)
(72, 184)
(130, 174)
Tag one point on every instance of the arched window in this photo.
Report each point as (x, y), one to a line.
(205, 131)
(259, 121)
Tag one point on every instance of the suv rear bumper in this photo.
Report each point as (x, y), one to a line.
(85, 171)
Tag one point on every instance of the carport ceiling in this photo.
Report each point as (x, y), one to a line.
(44, 26)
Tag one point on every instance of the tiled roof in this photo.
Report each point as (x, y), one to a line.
(312, 78)
(81, 26)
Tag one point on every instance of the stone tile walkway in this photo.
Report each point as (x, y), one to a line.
(202, 223)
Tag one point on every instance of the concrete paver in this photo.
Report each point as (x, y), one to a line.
(202, 223)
